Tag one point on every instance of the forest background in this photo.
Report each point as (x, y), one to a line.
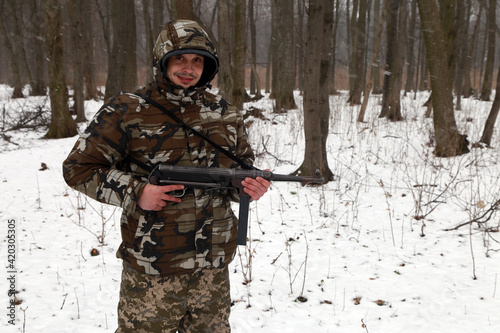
(276, 46)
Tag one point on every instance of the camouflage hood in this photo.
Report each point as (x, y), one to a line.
(180, 37)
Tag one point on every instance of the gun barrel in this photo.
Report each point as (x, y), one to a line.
(304, 180)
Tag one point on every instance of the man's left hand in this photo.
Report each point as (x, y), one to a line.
(255, 188)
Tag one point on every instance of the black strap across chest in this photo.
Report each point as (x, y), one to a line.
(226, 152)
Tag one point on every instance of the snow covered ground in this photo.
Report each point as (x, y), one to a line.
(345, 257)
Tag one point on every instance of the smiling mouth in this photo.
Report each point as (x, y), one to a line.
(185, 78)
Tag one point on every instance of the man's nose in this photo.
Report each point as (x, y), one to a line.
(188, 66)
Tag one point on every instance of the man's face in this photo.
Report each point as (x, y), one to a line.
(185, 70)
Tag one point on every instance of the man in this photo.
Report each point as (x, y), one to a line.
(175, 251)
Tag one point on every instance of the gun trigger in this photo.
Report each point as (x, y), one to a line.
(177, 193)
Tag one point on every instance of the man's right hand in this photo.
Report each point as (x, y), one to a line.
(155, 197)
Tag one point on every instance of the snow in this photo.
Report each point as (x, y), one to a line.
(345, 257)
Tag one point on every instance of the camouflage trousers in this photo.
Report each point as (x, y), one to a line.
(198, 302)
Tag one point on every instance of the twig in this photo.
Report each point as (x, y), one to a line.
(77, 303)
(472, 253)
(486, 215)
(24, 318)
(64, 301)
(495, 289)
(305, 266)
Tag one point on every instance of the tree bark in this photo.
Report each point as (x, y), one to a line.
(19, 49)
(412, 30)
(359, 54)
(391, 101)
(183, 9)
(316, 98)
(283, 62)
(373, 67)
(490, 58)
(225, 78)
(461, 50)
(122, 69)
(239, 91)
(149, 41)
(74, 7)
(15, 70)
(61, 124)
(377, 21)
(492, 117)
(253, 50)
(332, 85)
(37, 23)
(449, 142)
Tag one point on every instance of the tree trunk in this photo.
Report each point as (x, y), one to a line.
(467, 54)
(91, 91)
(316, 98)
(332, 86)
(14, 65)
(74, 7)
(300, 45)
(378, 22)
(40, 83)
(490, 58)
(283, 62)
(149, 41)
(17, 42)
(239, 91)
(122, 69)
(373, 67)
(449, 142)
(253, 49)
(359, 54)
(225, 78)
(461, 50)
(391, 101)
(352, 38)
(492, 117)
(410, 79)
(183, 9)
(61, 124)
(158, 17)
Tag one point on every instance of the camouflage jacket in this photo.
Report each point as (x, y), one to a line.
(108, 164)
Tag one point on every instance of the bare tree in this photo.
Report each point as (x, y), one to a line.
(316, 98)
(373, 67)
(396, 20)
(61, 124)
(359, 51)
(449, 142)
(492, 117)
(283, 67)
(412, 31)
